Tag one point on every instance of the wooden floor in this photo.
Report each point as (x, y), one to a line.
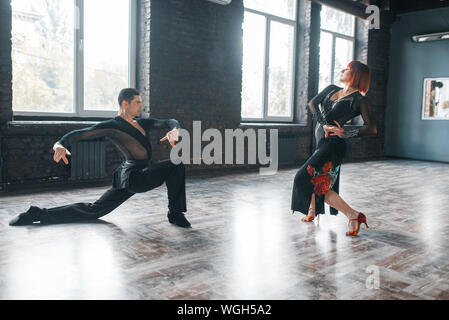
(244, 244)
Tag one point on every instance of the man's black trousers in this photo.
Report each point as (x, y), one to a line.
(139, 181)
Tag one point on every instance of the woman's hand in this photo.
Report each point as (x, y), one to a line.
(171, 136)
(333, 130)
(60, 152)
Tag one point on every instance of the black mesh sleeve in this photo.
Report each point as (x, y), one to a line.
(312, 106)
(369, 125)
(96, 131)
(155, 124)
(350, 133)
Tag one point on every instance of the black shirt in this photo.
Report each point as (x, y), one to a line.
(129, 140)
(326, 111)
(134, 146)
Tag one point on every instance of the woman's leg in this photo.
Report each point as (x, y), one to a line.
(334, 200)
(311, 212)
(312, 206)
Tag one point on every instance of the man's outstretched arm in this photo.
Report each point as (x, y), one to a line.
(172, 136)
(60, 147)
(156, 124)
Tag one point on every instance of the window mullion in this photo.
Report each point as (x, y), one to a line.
(333, 58)
(79, 57)
(293, 68)
(354, 39)
(267, 67)
(76, 32)
(132, 81)
(81, 65)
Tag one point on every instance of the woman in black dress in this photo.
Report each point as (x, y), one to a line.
(317, 181)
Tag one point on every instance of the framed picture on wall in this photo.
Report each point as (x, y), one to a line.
(435, 99)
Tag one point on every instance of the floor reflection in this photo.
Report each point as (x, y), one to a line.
(83, 266)
(258, 263)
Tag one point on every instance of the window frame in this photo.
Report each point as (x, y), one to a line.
(336, 35)
(78, 68)
(353, 122)
(268, 18)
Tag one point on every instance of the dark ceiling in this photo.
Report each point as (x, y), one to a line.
(404, 6)
(390, 9)
(394, 7)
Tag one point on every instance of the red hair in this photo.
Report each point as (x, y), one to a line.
(360, 76)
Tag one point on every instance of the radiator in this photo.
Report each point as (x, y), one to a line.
(287, 150)
(88, 160)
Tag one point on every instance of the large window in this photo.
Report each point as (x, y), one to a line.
(336, 45)
(71, 57)
(269, 29)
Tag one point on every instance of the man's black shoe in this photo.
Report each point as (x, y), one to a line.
(179, 219)
(25, 218)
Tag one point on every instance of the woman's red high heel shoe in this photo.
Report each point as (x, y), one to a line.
(361, 218)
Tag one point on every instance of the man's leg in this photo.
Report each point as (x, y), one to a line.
(110, 200)
(176, 187)
(174, 178)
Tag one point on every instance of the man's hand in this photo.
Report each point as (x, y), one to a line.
(171, 136)
(60, 152)
(333, 130)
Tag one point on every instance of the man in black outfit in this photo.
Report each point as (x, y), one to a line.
(136, 174)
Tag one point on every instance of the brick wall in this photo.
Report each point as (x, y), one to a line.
(5, 77)
(143, 52)
(28, 156)
(5, 62)
(195, 64)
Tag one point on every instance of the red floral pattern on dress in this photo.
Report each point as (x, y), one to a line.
(321, 184)
(323, 180)
(310, 170)
(327, 166)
